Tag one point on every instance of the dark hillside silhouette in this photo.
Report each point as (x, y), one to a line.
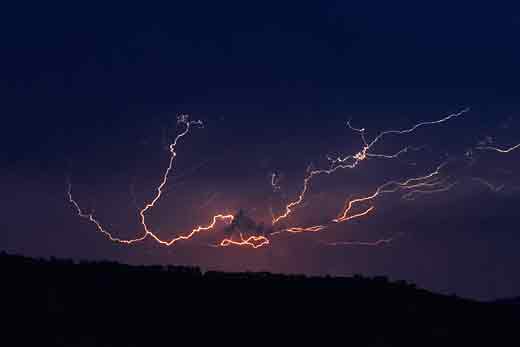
(64, 303)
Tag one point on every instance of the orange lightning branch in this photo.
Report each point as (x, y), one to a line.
(147, 232)
(251, 241)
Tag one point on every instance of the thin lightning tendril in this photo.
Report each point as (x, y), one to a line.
(376, 243)
(275, 182)
(410, 196)
(500, 150)
(488, 184)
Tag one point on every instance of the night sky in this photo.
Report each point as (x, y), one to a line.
(92, 94)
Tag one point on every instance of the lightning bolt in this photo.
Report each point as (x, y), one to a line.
(388, 187)
(430, 183)
(296, 230)
(352, 161)
(410, 196)
(414, 184)
(376, 243)
(500, 150)
(182, 119)
(251, 241)
(488, 184)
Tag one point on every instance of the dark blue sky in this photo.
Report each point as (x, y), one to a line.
(92, 92)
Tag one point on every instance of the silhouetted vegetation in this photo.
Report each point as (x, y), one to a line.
(64, 303)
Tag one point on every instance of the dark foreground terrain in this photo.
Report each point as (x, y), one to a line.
(62, 303)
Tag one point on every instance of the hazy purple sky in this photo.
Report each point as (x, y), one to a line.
(93, 94)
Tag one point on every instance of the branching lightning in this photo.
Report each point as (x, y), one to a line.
(182, 119)
(253, 235)
(352, 161)
(388, 187)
